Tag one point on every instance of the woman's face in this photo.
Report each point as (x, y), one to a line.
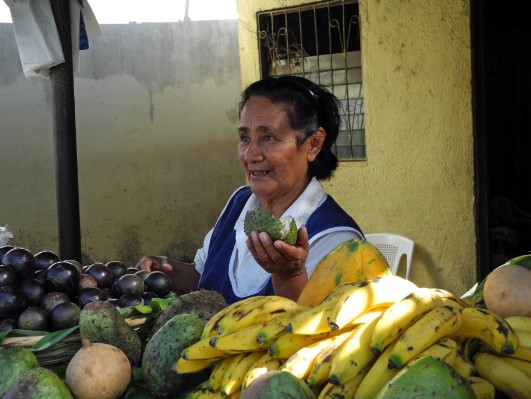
(276, 167)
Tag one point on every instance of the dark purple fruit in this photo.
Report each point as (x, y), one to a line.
(127, 300)
(113, 301)
(76, 264)
(102, 274)
(39, 275)
(131, 270)
(21, 261)
(158, 282)
(34, 291)
(87, 295)
(52, 299)
(7, 325)
(62, 276)
(7, 276)
(87, 281)
(142, 274)
(12, 302)
(3, 250)
(44, 259)
(148, 296)
(64, 315)
(34, 319)
(128, 284)
(118, 269)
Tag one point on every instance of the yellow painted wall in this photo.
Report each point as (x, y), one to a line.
(418, 179)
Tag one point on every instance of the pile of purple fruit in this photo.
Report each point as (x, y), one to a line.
(41, 292)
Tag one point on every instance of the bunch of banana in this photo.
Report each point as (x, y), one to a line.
(356, 340)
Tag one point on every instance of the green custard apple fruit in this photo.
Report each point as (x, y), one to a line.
(260, 220)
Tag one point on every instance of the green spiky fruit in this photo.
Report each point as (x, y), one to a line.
(260, 220)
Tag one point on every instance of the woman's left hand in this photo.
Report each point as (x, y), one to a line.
(279, 257)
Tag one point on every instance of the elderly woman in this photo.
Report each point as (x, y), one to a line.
(287, 128)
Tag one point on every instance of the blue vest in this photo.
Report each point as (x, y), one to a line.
(215, 277)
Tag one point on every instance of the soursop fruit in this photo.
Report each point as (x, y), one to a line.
(203, 303)
(260, 220)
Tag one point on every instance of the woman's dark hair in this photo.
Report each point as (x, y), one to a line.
(309, 106)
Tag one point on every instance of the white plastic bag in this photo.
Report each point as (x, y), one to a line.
(5, 234)
(37, 38)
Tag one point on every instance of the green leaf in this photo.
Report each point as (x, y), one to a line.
(52, 338)
(3, 334)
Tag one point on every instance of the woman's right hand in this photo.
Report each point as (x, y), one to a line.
(184, 278)
(154, 263)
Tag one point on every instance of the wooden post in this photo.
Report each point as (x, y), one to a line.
(64, 133)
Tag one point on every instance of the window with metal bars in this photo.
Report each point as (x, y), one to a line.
(320, 42)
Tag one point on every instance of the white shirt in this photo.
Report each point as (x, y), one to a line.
(246, 275)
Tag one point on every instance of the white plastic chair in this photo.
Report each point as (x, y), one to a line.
(393, 247)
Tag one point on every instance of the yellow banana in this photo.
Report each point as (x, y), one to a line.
(287, 344)
(320, 371)
(241, 340)
(523, 365)
(401, 315)
(277, 325)
(464, 367)
(211, 327)
(490, 328)
(524, 347)
(234, 375)
(434, 325)
(199, 391)
(315, 320)
(452, 302)
(301, 362)
(202, 350)
(183, 366)
(521, 323)
(218, 371)
(346, 390)
(482, 388)
(447, 294)
(261, 366)
(377, 376)
(468, 347)
(255, 312)
(445, 350)
(367, 294)
(353, 354)
(504, 376)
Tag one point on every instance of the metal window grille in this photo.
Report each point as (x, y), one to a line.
(321, 42)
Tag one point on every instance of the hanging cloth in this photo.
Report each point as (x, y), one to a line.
(37, 37)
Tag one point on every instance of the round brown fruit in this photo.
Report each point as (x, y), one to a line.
(98, 371)
(506, 291)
